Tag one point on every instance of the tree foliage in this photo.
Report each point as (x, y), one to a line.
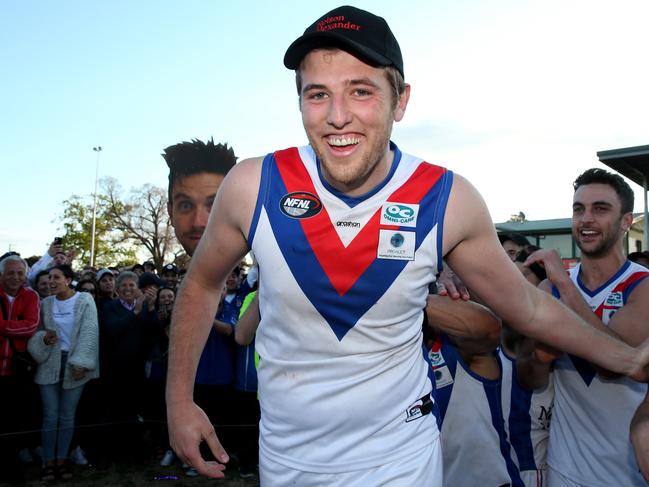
(77, 226)
(142, 219)
(127, 225)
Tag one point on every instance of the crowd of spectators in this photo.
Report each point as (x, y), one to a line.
(95, 344)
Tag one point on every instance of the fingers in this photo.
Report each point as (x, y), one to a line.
(453, 288)
(213, 469)
(441, 289)
(534, 258)
(461, 288)
(188, 427)
(215, 447)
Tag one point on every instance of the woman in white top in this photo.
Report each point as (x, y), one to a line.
(66, 348)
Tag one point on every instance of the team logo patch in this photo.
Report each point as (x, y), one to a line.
(435, 358)
(420, 408)
(300, 205)
(396, 245)
(402, 214)
(443, 377)
(614, 299)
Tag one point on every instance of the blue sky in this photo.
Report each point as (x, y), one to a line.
(518, 96)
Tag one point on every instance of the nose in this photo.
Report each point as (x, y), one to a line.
(587, 215)
(338, 114)
(200, 217)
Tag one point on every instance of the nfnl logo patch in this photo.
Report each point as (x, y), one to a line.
(300, 205)
(401, 214)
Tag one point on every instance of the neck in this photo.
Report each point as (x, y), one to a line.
(10, 293)
(376, 175)
(65, 294)
(595, 271)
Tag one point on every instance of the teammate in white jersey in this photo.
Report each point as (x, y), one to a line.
(589, 438)
(351, 90)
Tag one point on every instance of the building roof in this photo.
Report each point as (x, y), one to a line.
(558, 225)
(632, 162)
(554, 225)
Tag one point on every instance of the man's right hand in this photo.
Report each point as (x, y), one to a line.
(551, 262)
(188, 427)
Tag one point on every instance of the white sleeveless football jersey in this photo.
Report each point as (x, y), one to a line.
(475, 447)
(527, 419)
(589, 436)
(343, 282)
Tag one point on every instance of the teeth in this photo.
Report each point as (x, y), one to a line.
(343, 141)
(588, 232)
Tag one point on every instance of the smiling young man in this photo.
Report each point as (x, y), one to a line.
(589, 438)
(349, 232)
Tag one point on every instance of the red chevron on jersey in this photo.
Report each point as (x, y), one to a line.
(619, 291)
(321, 233)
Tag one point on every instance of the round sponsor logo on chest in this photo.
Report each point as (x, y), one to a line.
(300, 204)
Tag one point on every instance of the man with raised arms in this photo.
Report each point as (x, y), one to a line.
(344, 393)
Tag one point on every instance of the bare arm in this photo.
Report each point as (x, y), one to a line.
(246, 327)
(221, 248)
(628, 324)
(570, 295)
(471, 326)
(222, 328)
(474, 253)
(534, 359)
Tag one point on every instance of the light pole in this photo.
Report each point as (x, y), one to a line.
(94, 209)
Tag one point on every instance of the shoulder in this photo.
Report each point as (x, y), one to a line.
(242, 179)
(466, 214)
(111, 306)
(84, 299)
(638, 287)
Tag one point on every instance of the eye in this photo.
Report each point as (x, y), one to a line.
(317, 95)
(361, 92)
(184, 205)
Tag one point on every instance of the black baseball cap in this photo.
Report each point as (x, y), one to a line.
(149, 279)
(361, 33)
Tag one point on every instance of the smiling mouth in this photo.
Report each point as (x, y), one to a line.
(343, 141)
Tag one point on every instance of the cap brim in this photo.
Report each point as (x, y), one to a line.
(308, 42)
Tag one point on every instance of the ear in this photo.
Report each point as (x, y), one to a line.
(627, 221)
(170, 212)
(400, 109)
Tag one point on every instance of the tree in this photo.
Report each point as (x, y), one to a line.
(110, 249)
(142, 219)
(520, 218)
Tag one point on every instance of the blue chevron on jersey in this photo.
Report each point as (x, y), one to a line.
(584, 368)
(342, 310)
